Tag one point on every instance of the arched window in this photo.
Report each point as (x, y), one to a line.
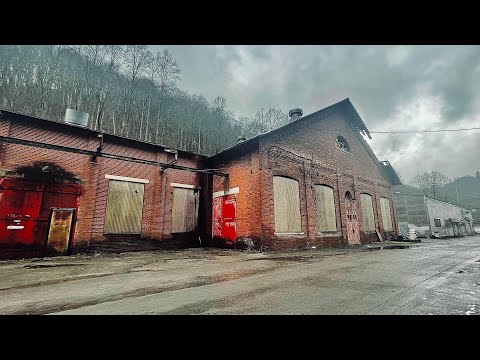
(286, 205)
(342, 144)
(367, 212)
(325, 208)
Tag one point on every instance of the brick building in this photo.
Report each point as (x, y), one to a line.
(312, 182)
(128, 190)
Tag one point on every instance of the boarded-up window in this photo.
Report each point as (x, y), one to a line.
(185, 210)
(124, 207)
(386, 216)
(286, 201)
(367, 212)
(325, 208)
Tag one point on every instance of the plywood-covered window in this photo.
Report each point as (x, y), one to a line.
(286, 201)
(325, 208)
(367, 212)
(185, 210)
(124, 207)
(386, 216)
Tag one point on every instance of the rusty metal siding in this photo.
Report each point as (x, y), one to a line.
(124, 207)
(325, 208)
(367, 212)
(286, 205)
(386, 217)
(185, 210)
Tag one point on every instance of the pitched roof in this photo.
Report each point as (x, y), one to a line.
(86, 130)
(390, 173)
(345, 105)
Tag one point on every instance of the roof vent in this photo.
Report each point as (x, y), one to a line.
(76, 117)
(241, 138)
(295, 114)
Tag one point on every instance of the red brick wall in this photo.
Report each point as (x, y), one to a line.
(158, 195)
(305, 152)
(4, 131)
(240, 175)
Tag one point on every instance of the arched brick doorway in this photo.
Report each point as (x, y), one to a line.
(353, 232)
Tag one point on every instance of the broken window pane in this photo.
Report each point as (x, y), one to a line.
(342, 144)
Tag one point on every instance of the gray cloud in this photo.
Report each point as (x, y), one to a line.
(392, 87)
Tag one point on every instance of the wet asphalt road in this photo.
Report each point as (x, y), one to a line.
(433, 277)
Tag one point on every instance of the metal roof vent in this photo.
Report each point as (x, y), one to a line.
(295, 114)
(241, 138)
(76, 117)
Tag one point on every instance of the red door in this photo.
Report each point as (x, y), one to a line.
(224, 217)
(25, 211)
(19, 207)
(353, 233)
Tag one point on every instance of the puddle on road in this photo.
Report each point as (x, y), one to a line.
(36, 266)
(389, 247)
(285, 258)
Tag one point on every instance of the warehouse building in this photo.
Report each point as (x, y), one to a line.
(314, 182)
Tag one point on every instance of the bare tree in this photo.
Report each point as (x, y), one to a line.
(127, 91)
(136, 57)
(167, 76)
(430, 183)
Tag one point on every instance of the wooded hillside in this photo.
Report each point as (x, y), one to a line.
(127, 91)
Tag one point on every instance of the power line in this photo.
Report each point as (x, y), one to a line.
(422, 131)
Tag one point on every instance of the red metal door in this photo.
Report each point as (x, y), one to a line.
(353, 233)
(25, 211)
(229, 223)
(224, 224)
(19, 208)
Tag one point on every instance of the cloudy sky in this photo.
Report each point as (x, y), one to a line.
(392, 88)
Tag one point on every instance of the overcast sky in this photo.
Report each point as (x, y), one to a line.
(392, 88)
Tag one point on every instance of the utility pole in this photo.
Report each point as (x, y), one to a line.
(456, 189)
(433, 186)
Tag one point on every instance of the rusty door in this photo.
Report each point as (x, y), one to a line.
(353, 233)
(217, 217)
(224, 223)
(60, 231)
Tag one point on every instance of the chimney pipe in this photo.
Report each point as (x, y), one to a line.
(295, 114)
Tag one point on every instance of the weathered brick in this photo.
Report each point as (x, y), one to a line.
(304, 151)
(158, 197)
